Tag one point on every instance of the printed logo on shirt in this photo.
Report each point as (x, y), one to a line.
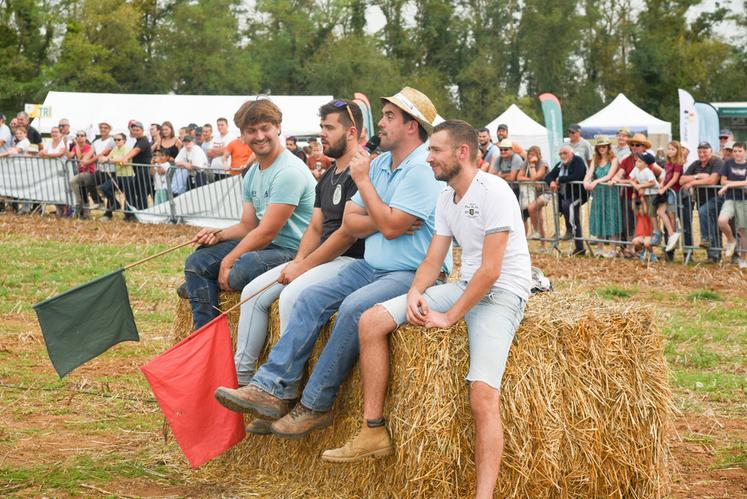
(337, 196)
(471, 210)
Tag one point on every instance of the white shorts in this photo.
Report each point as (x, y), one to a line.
(491, 325)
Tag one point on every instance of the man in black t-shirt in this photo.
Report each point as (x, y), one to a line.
(734, 181)
(140, 157)
(324, 249)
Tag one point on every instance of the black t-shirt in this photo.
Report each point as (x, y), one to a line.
(144, 156)
(332, 192)
(33, 135)
(736, 172)
(704, 193)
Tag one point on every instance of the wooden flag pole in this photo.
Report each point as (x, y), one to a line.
(271, 283)
(127, 267)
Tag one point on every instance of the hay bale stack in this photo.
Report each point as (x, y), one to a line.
(586, 408)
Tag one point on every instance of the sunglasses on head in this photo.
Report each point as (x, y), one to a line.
(342, 103)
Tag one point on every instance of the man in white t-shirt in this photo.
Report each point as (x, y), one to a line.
(481, 212)
(6, 138)
(219, 143)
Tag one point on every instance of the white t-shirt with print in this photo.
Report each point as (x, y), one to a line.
(488, 206)
(99, 146)
(643, 176)
(196, 157)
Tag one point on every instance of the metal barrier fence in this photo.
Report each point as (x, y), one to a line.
(605, 220)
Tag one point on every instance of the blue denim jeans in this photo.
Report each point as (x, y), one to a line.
(201, 274)
(354, 290)
(708, 216)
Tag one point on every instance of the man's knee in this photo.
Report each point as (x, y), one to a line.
(374, 323)
(484, 400)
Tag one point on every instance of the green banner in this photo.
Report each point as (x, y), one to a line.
(554, 125)
(84, 322)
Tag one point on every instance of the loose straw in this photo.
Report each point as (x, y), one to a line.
(127, 267)
(271, 283)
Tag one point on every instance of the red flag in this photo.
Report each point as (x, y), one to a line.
(184, 379)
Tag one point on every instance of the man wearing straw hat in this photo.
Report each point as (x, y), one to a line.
(278, 197)
(482, 213)
(394, 210)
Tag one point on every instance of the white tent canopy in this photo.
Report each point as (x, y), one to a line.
(622, 113)
(521, 129)
(86, 110)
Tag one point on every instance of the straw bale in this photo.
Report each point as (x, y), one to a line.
(586, 408)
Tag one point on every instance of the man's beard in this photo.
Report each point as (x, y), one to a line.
(337, 149)
(447, 174)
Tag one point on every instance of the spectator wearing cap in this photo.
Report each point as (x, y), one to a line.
(140, 156)
(638, 144)
(192, 159)
(697, 182)
(502, 134)
(197, 134)
(565, 178)
(508, 165)
(734, 182)
(123, 180)
(727, 152)
(579, 145)
(6, 137)
(102, 146)
(622, 149)
(32, 134)
(724, 136)
(645, 187)
(291, 143)
(488, 149)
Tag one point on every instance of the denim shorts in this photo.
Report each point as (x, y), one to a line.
(491, 325)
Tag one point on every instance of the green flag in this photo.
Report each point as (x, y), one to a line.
(554, 125)
(85, 321)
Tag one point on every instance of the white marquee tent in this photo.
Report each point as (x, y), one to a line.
(622, 113)
(86, 110)
(521, 129)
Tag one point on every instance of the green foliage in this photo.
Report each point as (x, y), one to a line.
(704, 295)
(472, 57)
(612, 292)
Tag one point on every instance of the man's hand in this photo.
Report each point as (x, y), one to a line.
(417, 308)
(438, 319)
(662, 190)
(206, 237)
(416, 225)
(224, 272)
(291, 271)
(360, 166)
(722, 191)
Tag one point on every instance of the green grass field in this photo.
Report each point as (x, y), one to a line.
(99, 431)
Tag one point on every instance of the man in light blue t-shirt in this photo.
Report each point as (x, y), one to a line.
(394, 210)
(278, 197)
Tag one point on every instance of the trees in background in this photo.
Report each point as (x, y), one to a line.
(472, 57)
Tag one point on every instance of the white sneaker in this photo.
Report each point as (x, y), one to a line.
(730, 247)
(742, 263)
(672, 242)
(105, 218)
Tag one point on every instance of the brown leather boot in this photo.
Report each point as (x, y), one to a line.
(300, 422)
(368, 442)
(249, 398)
(259, 426)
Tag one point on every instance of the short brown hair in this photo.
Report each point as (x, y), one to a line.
(257, 111)
(460, 132)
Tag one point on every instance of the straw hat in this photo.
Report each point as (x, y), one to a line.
(416, 104)
(505, 144)
(602, 140)
(640, 139)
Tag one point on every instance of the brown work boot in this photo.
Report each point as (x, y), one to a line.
(368, 442)
(300, 422)
(259, 426)
(249, 398)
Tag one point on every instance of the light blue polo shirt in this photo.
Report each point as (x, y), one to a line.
(412, 188)
(286, 181)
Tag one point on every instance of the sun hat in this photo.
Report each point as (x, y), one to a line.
(505, 144)
(416, 104)
(640, 139)
(601, 140)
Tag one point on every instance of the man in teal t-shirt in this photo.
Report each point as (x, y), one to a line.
(278, 199)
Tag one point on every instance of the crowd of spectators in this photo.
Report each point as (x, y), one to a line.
(640, 199)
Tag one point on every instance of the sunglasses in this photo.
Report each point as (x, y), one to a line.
(504, 149)
(636, 145)
(342, 103)
(80, 134)
(118, 140)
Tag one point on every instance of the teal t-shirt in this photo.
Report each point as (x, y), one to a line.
(286, 181)
(412, 188)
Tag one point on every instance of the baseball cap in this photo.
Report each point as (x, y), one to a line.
(574, 127)
(729, 145)
(135, 123)
(647, 158)
(502, 126)
(188, 138)
(725, 132)
(704, 145)
(505, 144)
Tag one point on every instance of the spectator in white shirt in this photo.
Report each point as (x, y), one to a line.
(219, 142)
(192, 159)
